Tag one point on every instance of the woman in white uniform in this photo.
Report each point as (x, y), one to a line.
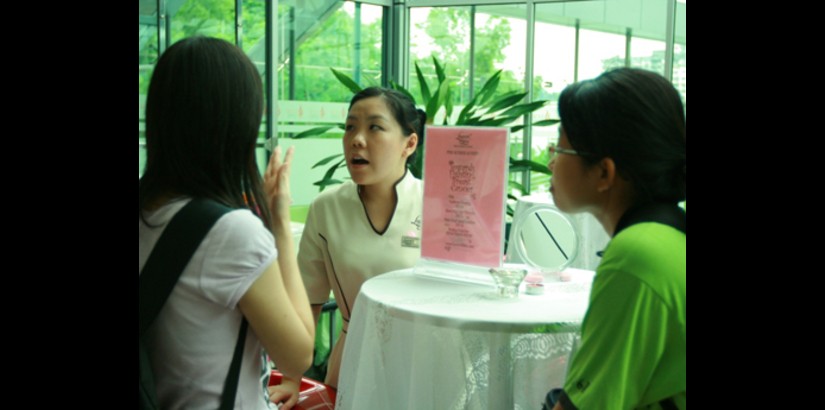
(371, 224)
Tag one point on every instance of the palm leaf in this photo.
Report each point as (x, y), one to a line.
(543, 123)
(325, 183)
(517, 167)
(326, 160)
(476, 119)
(494, 122)
(347, 81)
(506, 101)
(437, 101)
(422, 82)
(489, 88)
(327, 179)
(417, 166)
(399, 87)
(469, 110)
(448, 105)
(516, 128)
(472, 120)
(516, 185)
(313, 132)
(486, 91)
(523, 165)
(521, 109)
(466, 113)
(439, 70)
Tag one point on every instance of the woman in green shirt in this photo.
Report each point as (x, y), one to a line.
(621, 157)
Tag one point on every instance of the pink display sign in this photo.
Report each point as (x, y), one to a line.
(465, 180)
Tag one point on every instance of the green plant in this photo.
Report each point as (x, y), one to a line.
(484, 109)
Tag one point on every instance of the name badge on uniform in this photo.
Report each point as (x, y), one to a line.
(410, 240)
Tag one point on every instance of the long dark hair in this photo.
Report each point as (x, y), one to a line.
(635, 117)
(203, 113)
(402, 108)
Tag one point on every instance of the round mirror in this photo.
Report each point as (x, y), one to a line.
(544, 238)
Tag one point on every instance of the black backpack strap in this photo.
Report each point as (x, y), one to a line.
(171, 253)
(169, 257)
(230, 386)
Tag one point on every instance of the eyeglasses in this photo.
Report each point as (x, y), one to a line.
(553, 150)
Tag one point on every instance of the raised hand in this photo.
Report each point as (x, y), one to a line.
(276, 185)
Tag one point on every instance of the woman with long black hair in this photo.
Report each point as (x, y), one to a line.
(203, 112)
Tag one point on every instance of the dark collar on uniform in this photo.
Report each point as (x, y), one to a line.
(664, 213)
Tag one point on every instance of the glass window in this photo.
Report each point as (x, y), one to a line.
(647, 26)
(680, 53)
(213, 18)
(253, 23)
(500, 43)
(342, 35)
(369, 21)
(647, 54)
(315, 37)
(599, 52)
(605, 30)
(444, 34)
(147, 57)
(554, 54)
(574, 40)
(473, 41)
(253, 43)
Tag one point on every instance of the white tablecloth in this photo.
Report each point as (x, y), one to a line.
(423, 343)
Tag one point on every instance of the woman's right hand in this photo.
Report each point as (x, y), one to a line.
(286, 393)
(276, 185)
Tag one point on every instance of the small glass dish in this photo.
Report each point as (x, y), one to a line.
(508, 279)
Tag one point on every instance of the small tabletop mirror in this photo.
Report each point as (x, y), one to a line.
(544, 238)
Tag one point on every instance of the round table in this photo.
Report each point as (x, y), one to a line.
(418, 342)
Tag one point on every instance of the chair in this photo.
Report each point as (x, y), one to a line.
(331, 307)
(326, 334)
(315, 395)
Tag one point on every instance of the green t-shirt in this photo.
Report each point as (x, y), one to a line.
(633, 348)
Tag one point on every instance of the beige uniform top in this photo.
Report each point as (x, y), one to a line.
(340, 249)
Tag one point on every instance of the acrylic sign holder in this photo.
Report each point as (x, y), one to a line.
(465, 183)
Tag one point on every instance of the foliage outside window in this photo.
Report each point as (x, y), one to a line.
(325, 36)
